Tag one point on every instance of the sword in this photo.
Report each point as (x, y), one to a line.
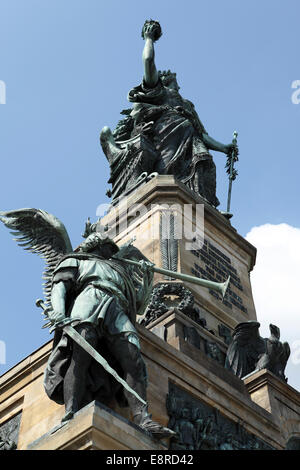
(72, 333)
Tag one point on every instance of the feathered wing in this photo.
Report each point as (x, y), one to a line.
(246, 347)
(42, 233)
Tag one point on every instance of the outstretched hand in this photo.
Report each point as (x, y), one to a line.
(152, 30)
(149, 32)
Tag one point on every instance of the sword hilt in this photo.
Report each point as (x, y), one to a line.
(40, 303)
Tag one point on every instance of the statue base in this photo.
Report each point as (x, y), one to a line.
(184, 339)
(279, 399)
(96, 427)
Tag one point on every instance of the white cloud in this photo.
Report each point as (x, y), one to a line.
(275, 284)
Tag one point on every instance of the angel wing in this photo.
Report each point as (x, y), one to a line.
(245, 349)
(42, 233)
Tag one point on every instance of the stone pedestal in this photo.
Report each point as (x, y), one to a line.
(184, 336)
(201, 380)
(279, 399)
(187, 336)
(96, 427)
(178, 230)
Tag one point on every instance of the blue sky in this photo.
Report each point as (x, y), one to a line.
(68, 66)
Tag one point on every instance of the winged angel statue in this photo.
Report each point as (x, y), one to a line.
(92, 298)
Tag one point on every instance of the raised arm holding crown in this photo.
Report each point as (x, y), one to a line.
(176, 140)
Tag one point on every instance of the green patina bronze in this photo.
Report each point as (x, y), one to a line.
(162, 133)
(92, 300)
(93, 295)
(232, 172)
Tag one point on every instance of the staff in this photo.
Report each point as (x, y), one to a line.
(230, 170)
